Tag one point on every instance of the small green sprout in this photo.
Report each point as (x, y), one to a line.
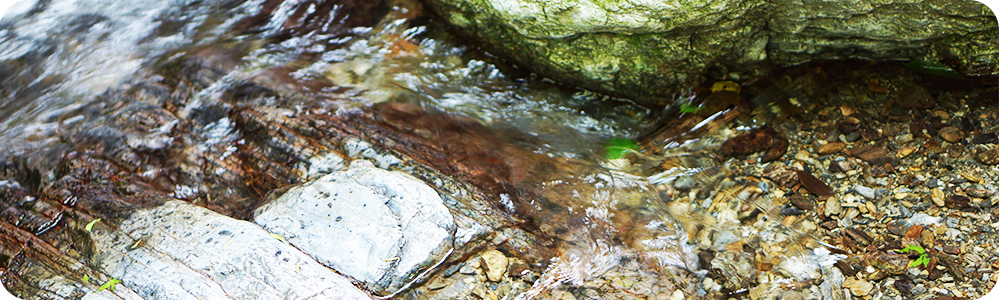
(110, 285)
(86, 278)
(618, 147)
(275, 235)
(90, 226)
(922, 260)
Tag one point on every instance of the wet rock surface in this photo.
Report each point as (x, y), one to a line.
(379, 227)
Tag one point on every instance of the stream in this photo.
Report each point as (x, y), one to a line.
(582, 188)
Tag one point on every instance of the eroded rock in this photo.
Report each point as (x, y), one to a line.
(379, 227)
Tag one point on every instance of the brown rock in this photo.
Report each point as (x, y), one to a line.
(894, 263)
(988, 156)
(756, 140)
(813, 184)
(950, 134)
(914, 231)
(872, 154)
(830, 148)
(951, 249)
(778, 148)
(958, 202)
(782, 176)
(915, 96)
(802, 202)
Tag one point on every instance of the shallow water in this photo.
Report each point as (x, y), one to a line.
(58, 58)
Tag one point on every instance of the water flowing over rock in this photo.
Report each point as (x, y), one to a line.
(644, 50)
(380, 227)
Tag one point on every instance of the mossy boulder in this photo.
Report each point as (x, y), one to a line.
(648, 50)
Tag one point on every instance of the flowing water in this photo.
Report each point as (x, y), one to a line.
(58, 59)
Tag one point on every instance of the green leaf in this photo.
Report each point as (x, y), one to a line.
(688, 108)
(110, 285)
(86, 278)
(617, 148)
(90, 226)
(933, 69)
(920, 250)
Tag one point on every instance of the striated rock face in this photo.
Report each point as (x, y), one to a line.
(380, 227)
(648, 50)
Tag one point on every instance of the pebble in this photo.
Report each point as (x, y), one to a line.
(467, 269)
(937, 196)
(950, 134)
(830, 148)
(865, 191)
(988, 156)
(861, 288)
(918, 290)
(832, 206)
(496, 265)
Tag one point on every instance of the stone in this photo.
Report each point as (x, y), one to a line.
(915, 96)
(951, 134)
(830, 148)
(190, 252)
(937, 196)
(646, 50)
(802, 202)
(494, 264)
(867, 192)
(872, 154)
(988, 155)
(379, 227)
(861, 288)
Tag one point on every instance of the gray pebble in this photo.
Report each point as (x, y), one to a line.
(467, 270)
(853, 136)
(933, 183)
(684, 183)
(867, 192)
(919, 289)
(452, 269)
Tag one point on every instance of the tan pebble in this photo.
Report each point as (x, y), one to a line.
(861, 288)
(871, 206)
(937, 196)
(496, 265)
(808, 226)
(941, 114)
(900, 196)
(830, 148)
(951, 134)
(493, 296)
(905, 151)
(846, 110)
(927, 238)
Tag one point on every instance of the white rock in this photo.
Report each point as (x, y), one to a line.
(379, 227)
(865, 191)
(193, 253)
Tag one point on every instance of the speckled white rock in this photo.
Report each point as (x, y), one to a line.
(379, 227)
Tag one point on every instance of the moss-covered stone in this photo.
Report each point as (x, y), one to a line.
(648, 50)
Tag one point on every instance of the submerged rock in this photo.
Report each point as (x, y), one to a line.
(645, 49)
(380, 227)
